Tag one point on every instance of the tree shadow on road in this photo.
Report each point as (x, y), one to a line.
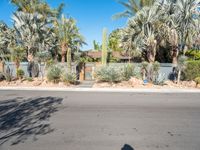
(22, 118)
(127, 147)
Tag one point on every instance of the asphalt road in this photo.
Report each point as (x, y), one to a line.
(99, 121)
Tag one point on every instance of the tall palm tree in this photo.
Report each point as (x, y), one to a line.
(185, 20)
(32, 31)
(132, 7)
(37, 6)
(68, 36)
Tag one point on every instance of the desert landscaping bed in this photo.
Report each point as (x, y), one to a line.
(137, 83)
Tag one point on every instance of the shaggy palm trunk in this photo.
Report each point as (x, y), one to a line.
(17, 63)
(69, 59)
(63, 53)
(175, 55)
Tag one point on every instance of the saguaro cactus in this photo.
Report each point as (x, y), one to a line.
(104, 47)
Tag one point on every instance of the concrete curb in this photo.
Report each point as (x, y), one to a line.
(101, 90)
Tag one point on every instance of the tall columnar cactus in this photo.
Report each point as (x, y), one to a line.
(104, 47)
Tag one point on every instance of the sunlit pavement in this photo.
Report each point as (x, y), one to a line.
(71, 120)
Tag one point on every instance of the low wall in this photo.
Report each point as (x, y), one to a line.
(24, 66)
(165, 69)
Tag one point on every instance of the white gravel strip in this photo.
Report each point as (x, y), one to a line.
(134, 90)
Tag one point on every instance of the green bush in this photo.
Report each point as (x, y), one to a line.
(69, 78)
(20, 73)
(193, 54)
(54, 73)
(192, 70)
(108, 74)
(127, 72)
(197, 80)
(30, 79)
(2, 76)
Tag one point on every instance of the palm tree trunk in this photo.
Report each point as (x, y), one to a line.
(69, 56)
(175, 55)
(63, 53)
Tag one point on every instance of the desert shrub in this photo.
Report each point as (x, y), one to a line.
(20, 73)
(160, 79)
(30, 79)
(192, 70)
(69, 78)
(54, 73)
(197, 80)
(2, 76)
(193, 54)
(108, 74)
(127, 72)
(156, 67)
(50, 63)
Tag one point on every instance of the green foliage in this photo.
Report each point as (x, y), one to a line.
(20, 73)
(193, 54)
(96, 46)
(54, 73)
(159, 79)
(104, 47)
(127, 71)
(197, 80)
(132, 7)
(156, 67)
(30, 79)
(192, 70)
(49, 63)
(108, 74)
(8, 77)
(43, 56)
(69, 78)
(114, 40)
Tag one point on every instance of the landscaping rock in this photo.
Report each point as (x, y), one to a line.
(37, 83)
(135, 82)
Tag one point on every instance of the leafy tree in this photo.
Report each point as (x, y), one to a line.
(96, 46)
(114, 40)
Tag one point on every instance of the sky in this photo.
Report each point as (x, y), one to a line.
(91, 15)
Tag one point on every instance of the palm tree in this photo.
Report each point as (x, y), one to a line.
(132, 7)
(68, 36)
(184, 15)
(37, 6)
(142, 31)
(32, 31)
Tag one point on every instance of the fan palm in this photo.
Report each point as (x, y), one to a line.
(32, 31)
(132, 7)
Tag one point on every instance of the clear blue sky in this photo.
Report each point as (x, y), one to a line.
(91, 15)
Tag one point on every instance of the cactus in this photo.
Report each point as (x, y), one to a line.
(104, 47)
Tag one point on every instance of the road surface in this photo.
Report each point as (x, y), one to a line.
(99, 121)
